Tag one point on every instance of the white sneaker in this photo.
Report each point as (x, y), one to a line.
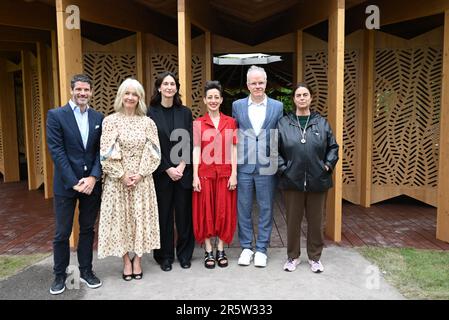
(260, 259)
(316, 266)
(291, 264)
(246, 257)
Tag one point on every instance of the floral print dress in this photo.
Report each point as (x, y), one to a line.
(129, 220)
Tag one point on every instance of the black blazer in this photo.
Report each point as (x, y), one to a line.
(181, 140)
(73, 162)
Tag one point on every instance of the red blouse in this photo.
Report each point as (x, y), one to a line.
(216, 145)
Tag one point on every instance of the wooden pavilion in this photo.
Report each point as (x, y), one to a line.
(385, 91)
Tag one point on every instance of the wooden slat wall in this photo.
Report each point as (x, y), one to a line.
(32, 151)
(10, 148)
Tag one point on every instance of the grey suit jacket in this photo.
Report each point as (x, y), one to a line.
(257, 153)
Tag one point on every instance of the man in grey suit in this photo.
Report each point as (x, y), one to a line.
(257, 117)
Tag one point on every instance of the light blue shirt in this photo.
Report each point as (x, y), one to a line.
(82, 119)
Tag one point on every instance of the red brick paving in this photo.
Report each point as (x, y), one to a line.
(27, 224)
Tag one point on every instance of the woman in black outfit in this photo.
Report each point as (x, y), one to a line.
(308, 153)
(173, 178)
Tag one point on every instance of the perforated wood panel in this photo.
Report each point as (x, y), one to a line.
(107, 72)
(163, 62)
(169, 62)
(37, 127)
(315, 74)
(406, 117)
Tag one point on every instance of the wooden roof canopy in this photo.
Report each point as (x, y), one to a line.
(250, 22)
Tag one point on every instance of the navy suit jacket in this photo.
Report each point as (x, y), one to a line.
(71, 160)
(253, 150)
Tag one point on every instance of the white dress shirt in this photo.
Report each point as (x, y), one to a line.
(82, 119)
(257, 113)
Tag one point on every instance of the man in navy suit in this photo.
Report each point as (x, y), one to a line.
(73, 139)
(257, 117)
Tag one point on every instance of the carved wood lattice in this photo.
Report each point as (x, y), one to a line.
(316, 76)
(406, 117)
(36, 128)
(169, 62)
(107, 72)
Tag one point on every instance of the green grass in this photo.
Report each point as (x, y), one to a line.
(417, 274)
(10, 265)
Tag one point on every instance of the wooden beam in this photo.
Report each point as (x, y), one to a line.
(336, 47)
(285, 43)
(17, 46)
(185, 52)
(70, 63)
(443, 171)
(34, 15)
(203, 15)
(367, 117)
(403, 10)
(14, 34)
(117, 13)
(298, 63)
(44, 101)
(30, 145)
(8, 125)
(140, 57)
(316, 13)
(12, 67)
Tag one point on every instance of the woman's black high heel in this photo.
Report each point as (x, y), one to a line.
(136, 276)
(209, 260)
(128, 277)
(222, 259)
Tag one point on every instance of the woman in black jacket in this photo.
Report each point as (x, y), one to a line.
(308, 153)
(173, 177)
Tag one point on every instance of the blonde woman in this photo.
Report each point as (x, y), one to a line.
(129, 154)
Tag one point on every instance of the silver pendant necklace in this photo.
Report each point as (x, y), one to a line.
(303, 132)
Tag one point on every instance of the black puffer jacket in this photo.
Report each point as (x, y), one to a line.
(302, 166)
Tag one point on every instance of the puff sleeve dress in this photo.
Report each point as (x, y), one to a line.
(129, 220)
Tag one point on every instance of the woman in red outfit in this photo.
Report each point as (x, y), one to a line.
(214, 177)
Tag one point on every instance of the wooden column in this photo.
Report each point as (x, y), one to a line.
(69, 50)
(443, 172)
(208, 55)
(184, 52)
(140, 57)
(70, 63)
(298, 63)
(8, 125)
(30, 143)
(336, 46)
(208, 62)
(367, 117)
(44, 100)
(55, 69)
